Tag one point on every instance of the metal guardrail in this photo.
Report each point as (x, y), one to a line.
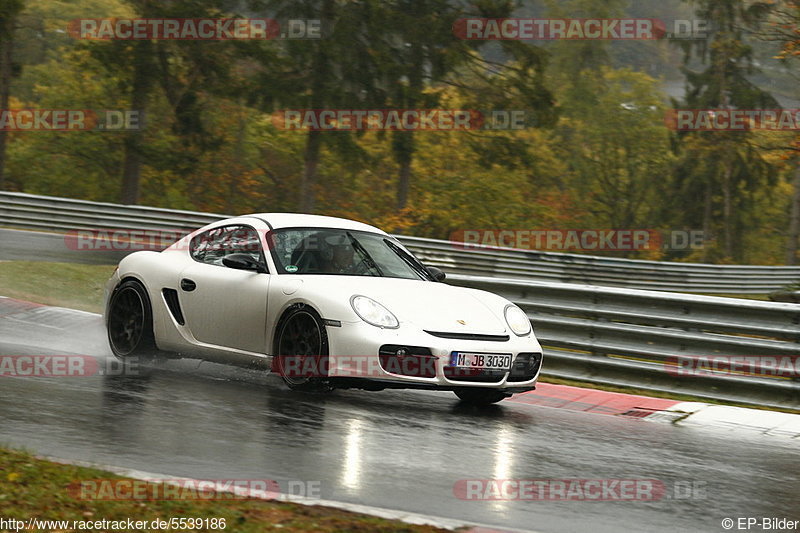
(611, 335)
(62, 214)
(52, 213)
(634, 337)
(607, 271)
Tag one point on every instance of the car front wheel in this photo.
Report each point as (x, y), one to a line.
(302, 351)
(130, 322)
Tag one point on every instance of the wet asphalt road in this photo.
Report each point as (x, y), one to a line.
(42, 246)
(394, 449)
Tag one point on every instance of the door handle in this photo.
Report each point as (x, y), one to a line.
(188, 285)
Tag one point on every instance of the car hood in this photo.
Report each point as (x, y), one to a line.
(429, 305)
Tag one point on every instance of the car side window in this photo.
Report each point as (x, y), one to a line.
(213, 245)
(200, 243)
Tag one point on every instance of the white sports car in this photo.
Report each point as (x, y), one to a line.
(324, 302)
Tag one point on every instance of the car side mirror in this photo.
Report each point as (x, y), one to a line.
(242, 262)
(436, 273)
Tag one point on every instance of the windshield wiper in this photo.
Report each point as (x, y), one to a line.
(413, 263)
(364, 254)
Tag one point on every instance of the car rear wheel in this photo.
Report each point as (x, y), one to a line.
(130, 322)
(477, 396)
(302, 351)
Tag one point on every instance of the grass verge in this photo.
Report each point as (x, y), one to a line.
(61, 284)
(31, 487)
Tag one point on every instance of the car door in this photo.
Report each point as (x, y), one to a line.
(224, 306)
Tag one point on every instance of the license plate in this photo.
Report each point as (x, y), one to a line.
(481, 361)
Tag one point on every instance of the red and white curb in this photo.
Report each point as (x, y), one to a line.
(661, 410)
(593, 401)
(735, 418)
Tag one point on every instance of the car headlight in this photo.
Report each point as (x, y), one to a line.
(517, 320)
(373, 313)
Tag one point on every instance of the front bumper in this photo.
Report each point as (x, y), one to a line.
(355, 350)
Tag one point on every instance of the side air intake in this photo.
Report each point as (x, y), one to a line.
(171, 297)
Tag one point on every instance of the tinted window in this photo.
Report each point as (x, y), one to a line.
(342, 252)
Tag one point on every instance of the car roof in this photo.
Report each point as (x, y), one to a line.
(298, 220)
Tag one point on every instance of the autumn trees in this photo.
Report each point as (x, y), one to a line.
(595, 151)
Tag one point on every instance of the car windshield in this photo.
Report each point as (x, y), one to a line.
(341, 252)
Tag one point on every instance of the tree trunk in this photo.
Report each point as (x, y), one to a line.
(233, 183)
(6, 46)
(308, 198)
(707, 222)
(403, 147)
(727, 201)
(132, 159)
(794, 219)
(403, 181)
(319, 99)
